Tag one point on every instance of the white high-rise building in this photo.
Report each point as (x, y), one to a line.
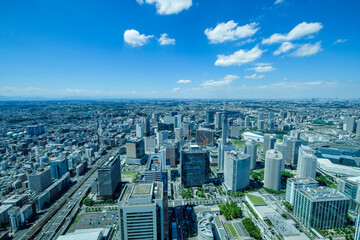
(141, 211)
(272, 175)
(139, 131)
(251, 149)
(237, 171)
(281, 147)
(307, 163)
(221, 154)
(247, 122)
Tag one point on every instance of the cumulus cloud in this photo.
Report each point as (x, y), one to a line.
(227, 80)
(239, 58)
(165, 40)
(167, 7)
(263, 68)
(184, 81)
(135, 39)
(230, 31)
(279, 1)
(307, 49)
(340, 41)
(254, 76)
(284, 47)
(301, 30)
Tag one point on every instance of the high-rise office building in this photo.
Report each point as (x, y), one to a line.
(135, 148)
(139, 131)
(235, 131)
(251, 149)
(218, 121)
(194, 166)
(39, 181)
(221, 154)
(161, 137)
(292, 151)
(321, 207)
(271, 116)
(358, 127)
(294, 183)
(205, 137)
(109, 177)
(307, 163)
(225, 129)
(272, 175)
(349, 124)
(260, 116)
(58, 167)
(141, 211)
(210, 116)
(269, 142)
(178, 120)
(145, 122)
(281, 147)
(236, 171)
(247, 122)
(153, 168)
(261, 125)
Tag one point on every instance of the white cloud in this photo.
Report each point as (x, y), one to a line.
(279, 1)
(301, 30)
(307, 49)
(340, 41)
(167, 7)
(184, 81)
(227, 80)
(175, 90)
(135, 39)
(230, 31)
(284, 47)
(254, 76)
(286, 84)
(239, 58)
(165, 40)
(263, 68)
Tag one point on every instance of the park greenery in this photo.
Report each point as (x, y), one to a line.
(251, 228)
(257, 175)
(230, 210)
(187, 193)
(88, 201)
(288, 206)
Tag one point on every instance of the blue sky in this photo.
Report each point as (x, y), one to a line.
(180, 49)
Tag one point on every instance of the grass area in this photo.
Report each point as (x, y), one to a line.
(238, 143)
(251, 210)
(73, 224)
(132, 175)
(232, 229)
(256, 200)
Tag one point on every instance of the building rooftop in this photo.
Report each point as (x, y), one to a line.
(322, 194)
(108, 163)
(302, 180)
(141, 192)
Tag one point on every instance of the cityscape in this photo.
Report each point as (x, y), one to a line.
(180, 119)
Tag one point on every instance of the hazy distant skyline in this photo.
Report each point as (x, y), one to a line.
(180, 49)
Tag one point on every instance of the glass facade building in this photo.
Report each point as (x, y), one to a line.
(321, 207)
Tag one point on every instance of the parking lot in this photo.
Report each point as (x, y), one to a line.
(95, 220)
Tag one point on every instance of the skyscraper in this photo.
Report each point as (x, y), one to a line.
(145, 122)
(225, 128)
(251, 149)
(357, 226)
(109, 177)
(218, 120)
(237, 171)
(194, 166)
(272, 175)
(210, 116)
(294, 183)
(269, 142)
(139, 131)
(221, 155)
(307, 163)
(247, 122)
(141, 211)
(292, 151)
(349, 124)
(58, 167)
(281, 147)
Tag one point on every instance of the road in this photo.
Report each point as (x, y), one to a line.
(55, 222)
